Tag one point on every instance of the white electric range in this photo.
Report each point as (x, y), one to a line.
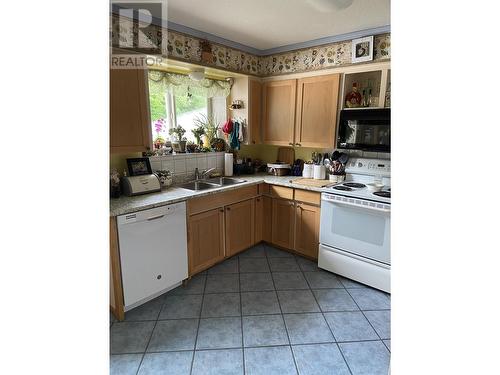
(355, 229)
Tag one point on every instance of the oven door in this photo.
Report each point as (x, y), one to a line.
(356, 226)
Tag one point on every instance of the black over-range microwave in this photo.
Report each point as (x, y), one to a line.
(365, 129)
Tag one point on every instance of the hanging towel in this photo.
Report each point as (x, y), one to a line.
(240, 134)
(234, 141)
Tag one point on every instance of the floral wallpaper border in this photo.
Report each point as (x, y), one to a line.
(187, 48)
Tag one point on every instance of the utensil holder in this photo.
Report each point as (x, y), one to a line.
(319, 172)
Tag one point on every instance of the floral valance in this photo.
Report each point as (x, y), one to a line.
(180, 84)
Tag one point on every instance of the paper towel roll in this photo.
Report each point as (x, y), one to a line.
(228, 164)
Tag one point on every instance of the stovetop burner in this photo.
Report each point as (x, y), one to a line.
(385, 194)
(340, 187)
(354, 185)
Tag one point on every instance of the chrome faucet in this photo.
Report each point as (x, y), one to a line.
(207, 173)
(203, 174)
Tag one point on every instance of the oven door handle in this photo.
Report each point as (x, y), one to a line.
(370, 208)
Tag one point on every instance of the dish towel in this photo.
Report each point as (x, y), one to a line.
(234, 141)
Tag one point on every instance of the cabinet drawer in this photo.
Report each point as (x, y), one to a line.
(281, 192)
(209, 202)
(308, 196)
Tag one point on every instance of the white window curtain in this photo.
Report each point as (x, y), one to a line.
(179, 84)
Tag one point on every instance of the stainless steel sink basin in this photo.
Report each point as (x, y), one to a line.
(225, 181)
(198, 185)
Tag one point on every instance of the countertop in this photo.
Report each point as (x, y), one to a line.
(174, 194)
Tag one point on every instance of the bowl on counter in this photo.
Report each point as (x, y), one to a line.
(278, 169)
(375, 186)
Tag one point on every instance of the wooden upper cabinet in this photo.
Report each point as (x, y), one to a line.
(255, 111)
(278, 112)
(316, 117)
(130, 129)
(307, 229)
(205, 239)
(283, 223)
(240, 226)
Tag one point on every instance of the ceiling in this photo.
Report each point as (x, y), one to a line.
(264, 25)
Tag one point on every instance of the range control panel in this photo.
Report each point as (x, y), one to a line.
(369, 166)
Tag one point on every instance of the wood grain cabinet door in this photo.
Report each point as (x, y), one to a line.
(259, 212)
(283, 223)
(307, 229)
(267, 219)
(205, 239)
(240, 227)
(316, 118)
(278, 112)
(130, 129)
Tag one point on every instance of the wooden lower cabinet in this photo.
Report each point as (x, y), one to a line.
(283, 222)
(240, 226)
(307, 229)
(205, 239)
(259, 212)
(267, 219)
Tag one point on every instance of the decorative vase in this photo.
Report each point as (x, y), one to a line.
(353, 99)
(182, 145)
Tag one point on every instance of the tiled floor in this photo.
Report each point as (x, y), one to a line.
(263, 311)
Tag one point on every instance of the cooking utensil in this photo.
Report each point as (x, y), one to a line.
(335, 155)
(343, 158)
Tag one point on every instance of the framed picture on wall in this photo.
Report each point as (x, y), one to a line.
(362, 49)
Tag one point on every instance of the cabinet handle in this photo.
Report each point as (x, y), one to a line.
(228, 208)
(221, 210)
(290, 143)
(298, 144)
(258, 199)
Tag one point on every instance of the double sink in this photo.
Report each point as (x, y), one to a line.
(211, 183)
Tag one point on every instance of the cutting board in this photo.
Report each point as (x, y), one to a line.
(311, 182)
(286, 155)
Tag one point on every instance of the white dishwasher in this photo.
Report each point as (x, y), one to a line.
(153, 252)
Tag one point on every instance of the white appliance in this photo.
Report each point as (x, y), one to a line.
(137, 185)
(355, 229)
(153, 252)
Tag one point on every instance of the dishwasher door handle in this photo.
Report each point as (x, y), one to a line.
(155, 217)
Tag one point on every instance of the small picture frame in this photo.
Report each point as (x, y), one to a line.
(139, 166)
(362, 49)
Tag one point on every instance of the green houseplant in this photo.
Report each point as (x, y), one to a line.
(178, 133)
(210, 125)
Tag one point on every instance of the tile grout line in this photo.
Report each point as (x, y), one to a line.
(199, 322)
(281, 311)
(368, 320)
(326, 321)
(241, 318)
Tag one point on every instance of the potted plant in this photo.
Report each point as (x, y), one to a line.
(198, 132)
(177, 134)
(191, 147)
(159, 141)
(211, 127)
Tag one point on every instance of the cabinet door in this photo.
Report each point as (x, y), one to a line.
(254, 113)
(267, 219)
(239, 226)
(278, 112)
(130, 129)
(307, 229)
(205, 239)
(283, 223)
(316, 119)
(259, 211)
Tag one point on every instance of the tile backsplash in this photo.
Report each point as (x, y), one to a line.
(183, 166)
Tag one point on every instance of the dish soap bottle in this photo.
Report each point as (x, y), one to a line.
(353, 99)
